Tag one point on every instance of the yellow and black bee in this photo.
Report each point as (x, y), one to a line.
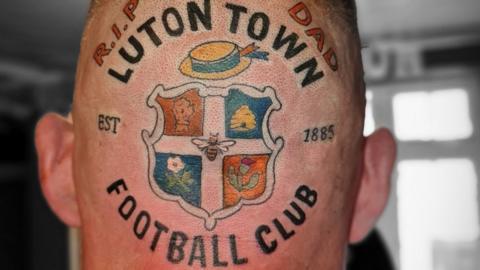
(212, 146)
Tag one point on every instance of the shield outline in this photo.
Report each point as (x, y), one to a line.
(151, 138)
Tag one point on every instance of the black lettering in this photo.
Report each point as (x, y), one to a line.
(171, 31)
(160, 228)
(114, 187)
(291, 39)
(306, 195)
(265, 25)
(233, 248)
(101, 123)
(140, 233)
(133, 204)
(147, 27)
(298, 219)
(236, 11)
(138, 48)
(312, 74)
(200, 245)
(116, 120)
(266, 248)
(107, 123)
(175, 247)
(216, 257)
(195, 14)
(121, 77)
(285, 235)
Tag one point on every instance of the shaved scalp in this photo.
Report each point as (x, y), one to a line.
(346, 9)
(214, 133)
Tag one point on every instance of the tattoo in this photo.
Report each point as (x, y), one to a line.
(317, 33)
(108, 123)
(211, 149)
(237, 144)
(212, 146)
(319, 134)
(129, 9)
(102, 51)
(193, 250)
(199, 18)
(306, 196)
(181, 247)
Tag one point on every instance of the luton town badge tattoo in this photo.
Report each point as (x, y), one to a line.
(211, 149)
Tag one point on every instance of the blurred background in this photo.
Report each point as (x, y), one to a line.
(422, 66)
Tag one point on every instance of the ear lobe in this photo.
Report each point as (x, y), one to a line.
(54, 142)
(378, 160)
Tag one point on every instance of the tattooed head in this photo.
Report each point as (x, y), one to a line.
(217, 134)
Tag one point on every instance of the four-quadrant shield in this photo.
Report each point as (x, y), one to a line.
(211, 149)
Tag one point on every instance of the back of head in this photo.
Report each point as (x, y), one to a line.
(217, 134)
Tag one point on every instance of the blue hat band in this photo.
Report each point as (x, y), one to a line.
(221, 65)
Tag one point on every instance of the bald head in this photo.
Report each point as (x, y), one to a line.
(217, 134)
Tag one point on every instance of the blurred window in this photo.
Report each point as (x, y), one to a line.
(435, 199)
(441, 115)
(369, 127)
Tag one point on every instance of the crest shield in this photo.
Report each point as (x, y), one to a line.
(211, 149)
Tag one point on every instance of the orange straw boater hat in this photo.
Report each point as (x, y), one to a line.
(218, 60)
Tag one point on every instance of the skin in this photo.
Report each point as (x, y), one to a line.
(351, 173)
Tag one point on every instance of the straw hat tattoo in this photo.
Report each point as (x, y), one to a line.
(218, 60)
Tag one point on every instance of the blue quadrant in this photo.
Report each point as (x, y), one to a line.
(186, 182)
(237, 103)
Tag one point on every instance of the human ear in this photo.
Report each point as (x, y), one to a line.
(54, 142)
(378, 159)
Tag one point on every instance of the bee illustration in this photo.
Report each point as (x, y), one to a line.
(211, 146)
